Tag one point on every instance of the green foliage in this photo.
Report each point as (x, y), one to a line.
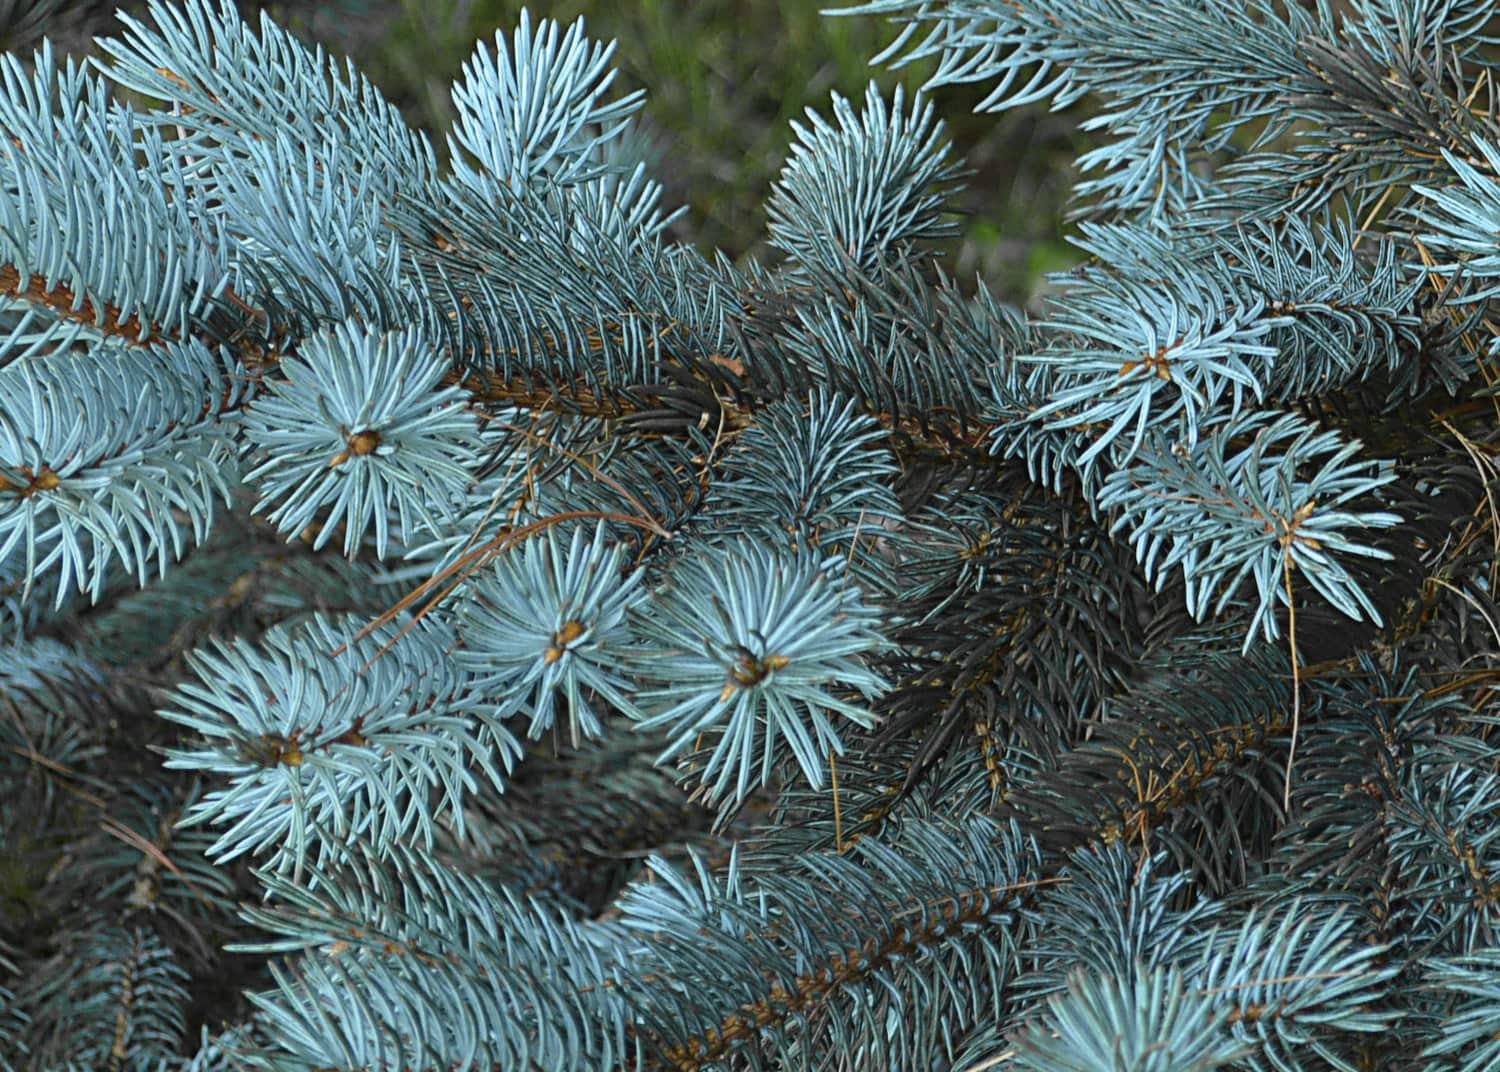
(452, 622)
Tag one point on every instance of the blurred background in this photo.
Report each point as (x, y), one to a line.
(724, 80)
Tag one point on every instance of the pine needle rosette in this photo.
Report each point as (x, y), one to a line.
(548, 623)
(361, 427)
(753, 646)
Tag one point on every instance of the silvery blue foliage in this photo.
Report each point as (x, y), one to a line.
(324, 736)
(360, 427)
(813, 477)
(537, 111)
(1154, 1022)
(853, 192)
(1136, 356)
(1464, 217)
(910, 680)
(510, 979)
(545, 628)
(111, 457)
(69, 162)
(1468, 1035)
(1268, 518)
(758, 649)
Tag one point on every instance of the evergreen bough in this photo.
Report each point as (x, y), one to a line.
(494, 637)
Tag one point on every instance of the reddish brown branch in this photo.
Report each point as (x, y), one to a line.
(61, 300)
